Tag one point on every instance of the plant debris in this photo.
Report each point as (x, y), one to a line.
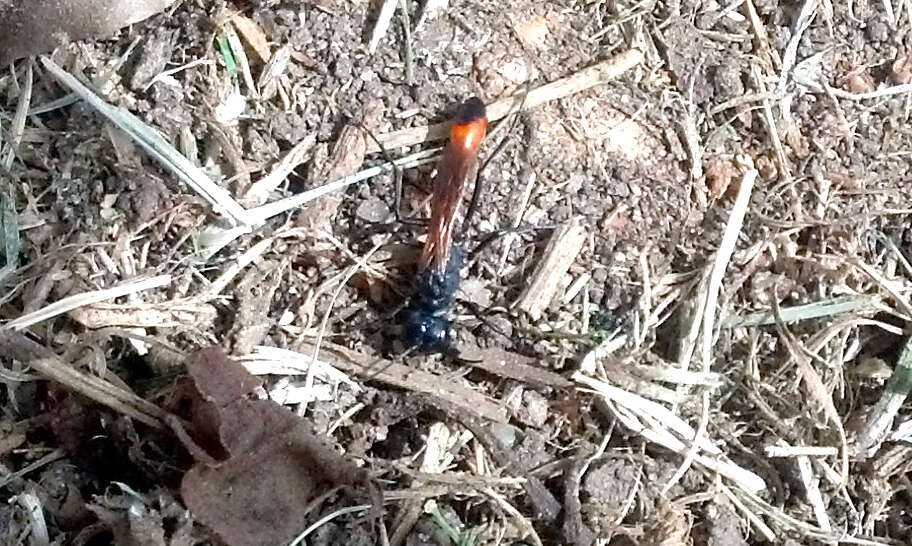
(685, 312)
(259, 467)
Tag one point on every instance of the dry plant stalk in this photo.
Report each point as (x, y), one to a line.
(586, 78)
(562, 250)
(167, 314)
(814, 385)
(46, 363)
(87, 298)
(405, 377)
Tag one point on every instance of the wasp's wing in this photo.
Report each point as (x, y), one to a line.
(449, 187)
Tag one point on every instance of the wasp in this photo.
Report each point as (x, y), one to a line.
(427, 323)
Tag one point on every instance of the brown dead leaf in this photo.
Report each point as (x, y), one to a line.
(38, 26)
(268, 464)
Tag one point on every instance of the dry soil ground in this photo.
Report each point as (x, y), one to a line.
(731, 214)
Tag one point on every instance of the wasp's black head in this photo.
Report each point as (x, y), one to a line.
(469, 111)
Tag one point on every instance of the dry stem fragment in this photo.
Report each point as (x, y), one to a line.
(562, 250)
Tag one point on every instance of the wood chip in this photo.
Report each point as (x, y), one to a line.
(512, 366)
(562, 250)
(253, 35)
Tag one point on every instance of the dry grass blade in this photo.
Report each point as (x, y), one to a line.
(87, 298)
(384, 18)
(222, 281)
(155, 146)
(658, 424)
(808, 12)
(806, 311)
(267, 211)
(17, 126)
(722, 259)
(800, 451)
(274, 361)
(706, 310)
(878, 425)
(259, 191)
(240, 57)
(814, 385)
(9, 234)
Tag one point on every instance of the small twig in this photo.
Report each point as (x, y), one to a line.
(582, 80)
(407, 377)
(46, 363)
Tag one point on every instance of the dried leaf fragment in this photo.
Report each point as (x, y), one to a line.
(264, 465)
